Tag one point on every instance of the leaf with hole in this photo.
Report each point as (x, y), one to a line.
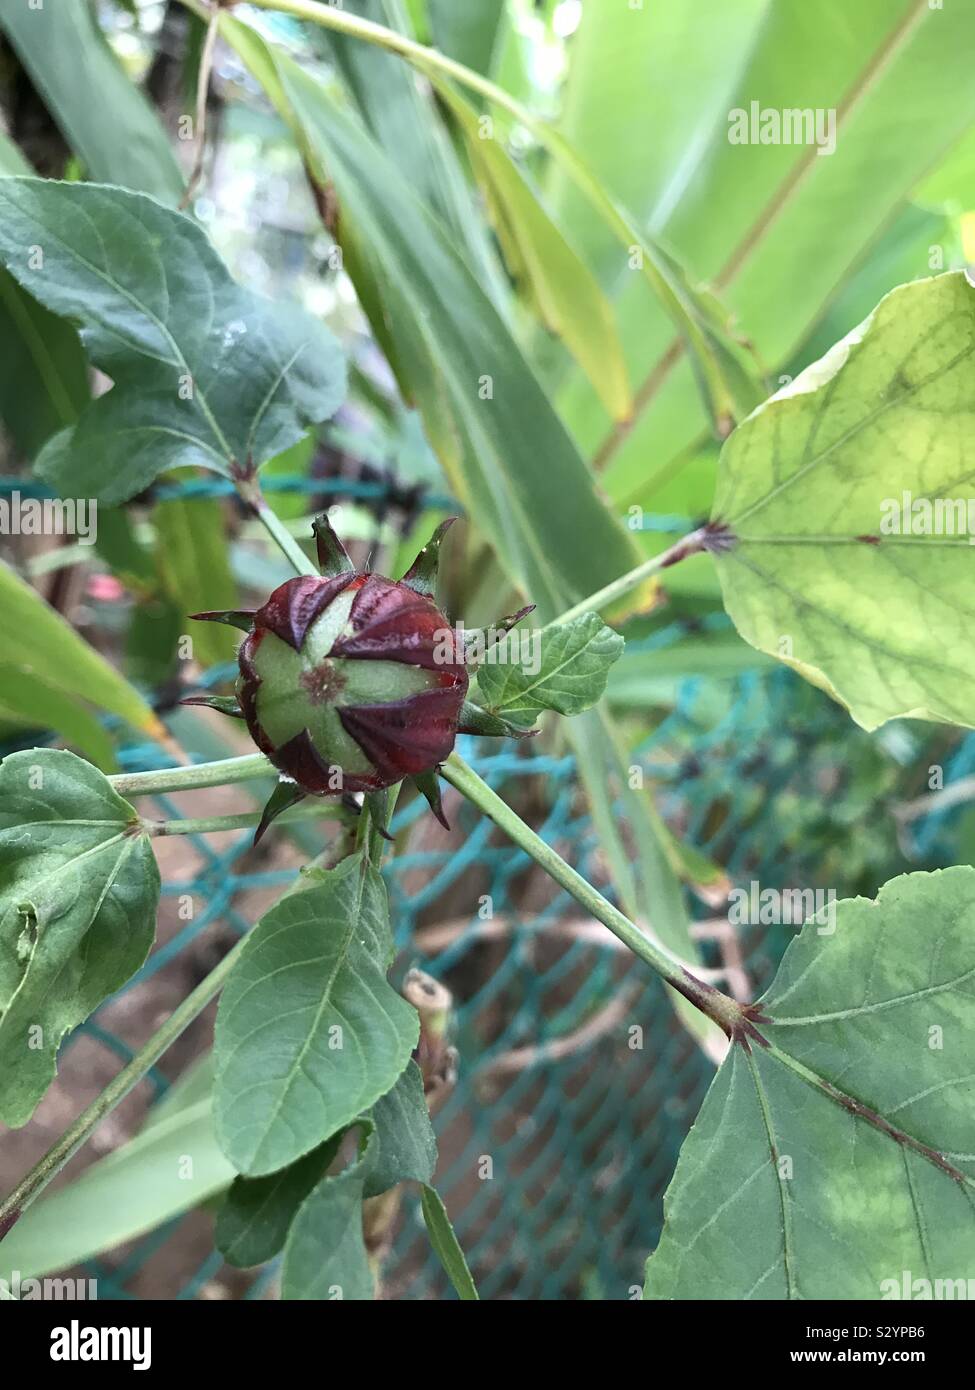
(78, 894)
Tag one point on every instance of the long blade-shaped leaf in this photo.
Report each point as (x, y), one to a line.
(60, 659)
(486, 414)
(79, 77)
(744, 216)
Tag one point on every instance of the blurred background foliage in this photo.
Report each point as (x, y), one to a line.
(632, 282)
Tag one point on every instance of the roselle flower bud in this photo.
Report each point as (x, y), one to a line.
(351, 682)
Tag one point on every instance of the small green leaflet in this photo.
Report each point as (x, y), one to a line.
(446, 1245)
(407, 1148)
(254, 1221)
(325, 1256)
(842, 1155)
(206, 373)
(78, 894)
(564, 668)
(309, 1032)
(809, 485)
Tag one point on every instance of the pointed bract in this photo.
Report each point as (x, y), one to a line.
(422, 574)
(333, 558)
(378, 804)
(223, 704)
(429, 784)
(476, 635)
(285, 794)
(234, 617)
(474, 720)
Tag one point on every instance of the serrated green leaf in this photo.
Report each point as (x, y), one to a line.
(446, 1246)
(407, 1147)
(325, 1256)
(206, 373)
(78, 894)
(573, 661)
(309, 1033)
(805, 486)
(841, 1155)
(254, 1221)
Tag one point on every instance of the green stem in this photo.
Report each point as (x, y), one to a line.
(691, 544)
(117, 1089)
(314, 809)
(726, 1012)
(331, 16)
(250, 491)
(183, 779)
(30, 1186)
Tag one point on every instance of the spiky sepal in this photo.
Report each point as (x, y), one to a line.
(223, 704)
(474, 720)
(285, 794)
(422, 574)
(429, 784)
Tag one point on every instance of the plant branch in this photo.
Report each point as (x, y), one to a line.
(13, 1207)
(314, 809)
(194, 776)
(726, 1012)
(249, 490)
(692, 544)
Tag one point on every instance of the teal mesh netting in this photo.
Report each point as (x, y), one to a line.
(563, 1128)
